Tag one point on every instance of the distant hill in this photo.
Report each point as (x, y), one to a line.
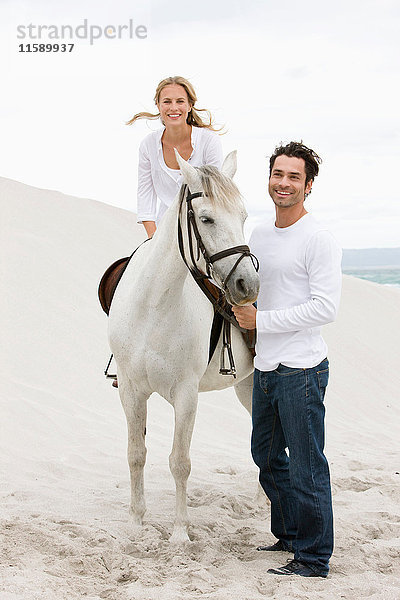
(371, 257)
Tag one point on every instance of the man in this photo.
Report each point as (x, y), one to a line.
(300, 274)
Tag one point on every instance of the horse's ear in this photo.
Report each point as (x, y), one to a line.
(230, 164)
(190, 175)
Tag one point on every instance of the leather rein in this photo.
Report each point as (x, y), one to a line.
(203, 279)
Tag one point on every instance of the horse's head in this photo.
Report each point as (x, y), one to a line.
(219, 215)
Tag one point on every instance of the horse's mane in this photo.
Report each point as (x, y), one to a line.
(218, 187)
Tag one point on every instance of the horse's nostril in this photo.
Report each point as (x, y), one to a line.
(241, 286)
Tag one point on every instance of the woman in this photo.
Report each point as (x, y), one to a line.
(159, 178)
(183, 128)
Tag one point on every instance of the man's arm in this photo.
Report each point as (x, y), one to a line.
(323, 261)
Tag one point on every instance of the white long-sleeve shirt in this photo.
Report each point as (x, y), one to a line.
(156, 181)
(300, 286)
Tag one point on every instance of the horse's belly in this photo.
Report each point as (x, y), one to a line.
(161, 349)
(160, 341)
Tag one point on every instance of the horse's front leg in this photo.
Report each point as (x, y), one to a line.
(135, 407)
(185, 407)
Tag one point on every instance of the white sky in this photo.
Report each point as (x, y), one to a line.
(326, 73)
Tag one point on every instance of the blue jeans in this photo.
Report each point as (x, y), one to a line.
(288, 412)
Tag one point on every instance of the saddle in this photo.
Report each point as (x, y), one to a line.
(112, 276)
(110, 280)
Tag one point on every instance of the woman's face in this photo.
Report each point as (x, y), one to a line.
(173, 105)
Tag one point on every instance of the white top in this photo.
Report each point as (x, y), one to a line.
(300, 286)
(157, 181)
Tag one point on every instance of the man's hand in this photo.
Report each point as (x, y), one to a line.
(246, 316)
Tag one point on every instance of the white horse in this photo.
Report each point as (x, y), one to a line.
(160, 321)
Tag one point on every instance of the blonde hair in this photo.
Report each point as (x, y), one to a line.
(193, 117)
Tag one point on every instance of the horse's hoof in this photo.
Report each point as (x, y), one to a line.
(179, 536)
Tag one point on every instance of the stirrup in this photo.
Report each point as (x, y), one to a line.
(106, 373)
(224, 368)
(228, 372)
(226, 352)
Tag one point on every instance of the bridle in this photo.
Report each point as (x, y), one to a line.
(192, 230)
(202, 278)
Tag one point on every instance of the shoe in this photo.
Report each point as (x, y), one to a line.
(295, 567)
(279, 546)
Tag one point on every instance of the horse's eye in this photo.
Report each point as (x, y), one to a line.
(206, 220)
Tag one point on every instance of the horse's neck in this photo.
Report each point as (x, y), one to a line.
(165, 253)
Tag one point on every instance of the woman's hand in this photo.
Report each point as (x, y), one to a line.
(150, 228)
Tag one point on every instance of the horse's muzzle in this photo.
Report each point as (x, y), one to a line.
(243, 290)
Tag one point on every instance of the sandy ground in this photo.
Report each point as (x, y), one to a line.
(64, 475)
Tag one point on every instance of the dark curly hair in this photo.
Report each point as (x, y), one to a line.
(298, 150)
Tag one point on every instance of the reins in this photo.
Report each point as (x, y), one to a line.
(202, 278)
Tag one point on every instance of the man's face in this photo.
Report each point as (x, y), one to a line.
(287, 183)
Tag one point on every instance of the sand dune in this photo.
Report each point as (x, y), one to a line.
(64, 484)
